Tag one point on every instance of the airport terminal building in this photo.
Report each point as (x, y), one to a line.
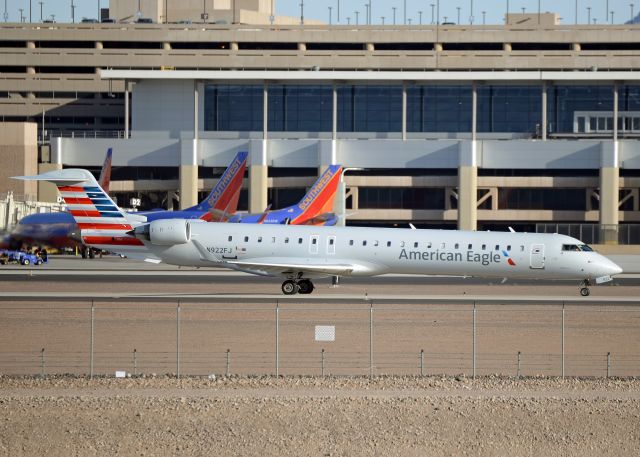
(480, 127)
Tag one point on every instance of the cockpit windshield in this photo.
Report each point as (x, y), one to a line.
(576, 247)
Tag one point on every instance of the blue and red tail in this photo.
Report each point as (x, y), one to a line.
(318, 202)
(223, 199)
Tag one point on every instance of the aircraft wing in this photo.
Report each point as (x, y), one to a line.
(291, 268)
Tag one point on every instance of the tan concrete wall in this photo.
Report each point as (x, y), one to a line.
(257, 188)
(188, 186)
(467, 198)
(18, 157)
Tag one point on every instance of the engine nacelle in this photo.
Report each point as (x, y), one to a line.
(165, 232)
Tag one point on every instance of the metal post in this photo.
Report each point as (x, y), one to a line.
(91, 343)
(42, 363)
(322, 362)
(615, 112)
(178, 340)
(126, 109)
(474, 110)
(371, 339)
(474, 340)
(544, 111)
(518, 374)
(404, 111)
(228, 362)
(608, 364)
(277, 339)
(562, 340)
(421, 362)
(135, 362)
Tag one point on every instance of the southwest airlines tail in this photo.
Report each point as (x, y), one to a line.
(223, 199)
(315, 208)
(102, 224)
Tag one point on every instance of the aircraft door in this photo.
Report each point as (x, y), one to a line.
(313, 244)
(331, 244)
(537, 256)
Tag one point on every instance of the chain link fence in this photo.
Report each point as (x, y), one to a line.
(365, 338)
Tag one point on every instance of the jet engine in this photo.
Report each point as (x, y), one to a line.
(165, 232)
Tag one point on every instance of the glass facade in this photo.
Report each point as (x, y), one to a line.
(370, 108)
(233, 107)
(400, 198)
(300, 108)
(564, 101)
(547, 199)
(513, 109)
(439, 108)
(502, 108)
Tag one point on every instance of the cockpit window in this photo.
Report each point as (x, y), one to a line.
(576, 247)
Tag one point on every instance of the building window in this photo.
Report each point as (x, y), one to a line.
(369, 108)
(300, 108)
(441, 108)
(233, 107)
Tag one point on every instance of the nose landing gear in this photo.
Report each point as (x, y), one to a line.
(584, 288)
(301, 286)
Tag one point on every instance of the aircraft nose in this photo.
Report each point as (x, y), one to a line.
(610, 268)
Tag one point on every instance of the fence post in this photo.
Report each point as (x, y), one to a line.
(608, 364)
(421, 362)
(518, 374)
(474, 340)
(135, 362)
(228, 362)
(42, 363)
(371, 339)
(322, 362)
(562, 335)
(178, 340)
(277, 338)
(91, 343)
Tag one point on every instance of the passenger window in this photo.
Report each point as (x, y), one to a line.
(470, 246)
(375, 243)
(331, 241)
(457, 246)
(443, 246)
(388, 244)
(273, 239)
(246, 239)
(230, 238)
(364, 243)
(521, 248)
(415, 245)
(401, 244)
(484, 247)
(429, 245)
(497, 247)
(350, 242)
(286, 240)
(313, 240)
(259, 239)
(508, 247)
(299, 240)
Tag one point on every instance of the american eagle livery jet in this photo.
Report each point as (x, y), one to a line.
(300, 253)
(315, 208)
(60, 229)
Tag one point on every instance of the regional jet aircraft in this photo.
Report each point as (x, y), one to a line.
(298, 254)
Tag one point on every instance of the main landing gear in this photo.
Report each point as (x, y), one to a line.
(299, 286)
(584, 288)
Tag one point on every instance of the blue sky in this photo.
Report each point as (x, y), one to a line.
(319, 9)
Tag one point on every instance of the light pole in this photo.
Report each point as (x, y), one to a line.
(405, 12)
(370, 13)
(433, 6)
(420, 16)
(302, 12)
(507, 14)
(458, 8)
(41, 3)
(357, 13)
(21, 16)
(524, 10)
(382, 17)
(611, 17)
(631, 6)
(576, 12)
(330, 15)
(338, 13)
(394, 14)
(366, 13)
(484, 15)
(606, 11)
(471, 12)
(588, 15)
(73, 12)
(5, 15)
(348, 20)
(30, 12)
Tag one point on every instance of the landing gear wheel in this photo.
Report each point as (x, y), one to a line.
(289, 287)
(92, 254)
(305, 286)
(585, 291)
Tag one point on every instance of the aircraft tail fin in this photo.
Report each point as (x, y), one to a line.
(319, 200)
(105, 174)
(101, 222)
(225, 194)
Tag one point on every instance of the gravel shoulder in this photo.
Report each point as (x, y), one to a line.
(319, 416)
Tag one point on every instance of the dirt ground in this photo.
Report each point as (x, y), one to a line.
(404, 416)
